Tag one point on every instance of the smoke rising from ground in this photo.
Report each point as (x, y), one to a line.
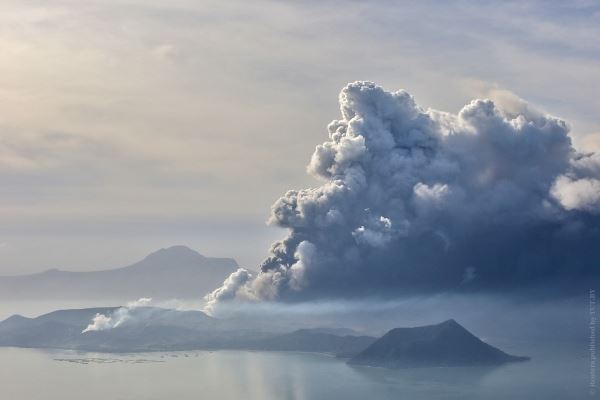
(121, 315)
(418, 201)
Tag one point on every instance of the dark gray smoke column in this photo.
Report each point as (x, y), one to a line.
(420, 201)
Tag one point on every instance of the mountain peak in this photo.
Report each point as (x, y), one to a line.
(178, 253)
(15, 317)
(444, 344)
(172, 272)
(451, 323)
(178, 249)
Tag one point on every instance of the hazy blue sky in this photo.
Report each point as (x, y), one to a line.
(132, 125)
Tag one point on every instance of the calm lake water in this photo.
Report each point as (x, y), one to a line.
(30, 374)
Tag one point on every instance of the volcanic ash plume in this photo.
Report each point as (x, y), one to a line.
(422, 201)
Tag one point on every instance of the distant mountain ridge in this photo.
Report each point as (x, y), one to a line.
(158, 329)
(174, 272)
(447, 344)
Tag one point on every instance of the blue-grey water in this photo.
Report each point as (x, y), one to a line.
(30, 374)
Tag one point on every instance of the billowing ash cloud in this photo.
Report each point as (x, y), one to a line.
(102, 322)
(234, 283)
(419, 201)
